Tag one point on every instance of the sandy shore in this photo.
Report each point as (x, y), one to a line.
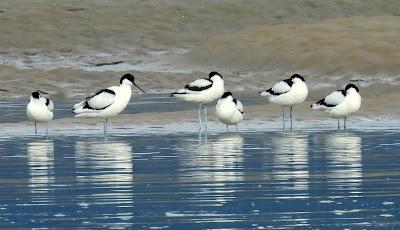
(70, 50)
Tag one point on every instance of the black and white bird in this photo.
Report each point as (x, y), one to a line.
(39, 109)
(229, 110)
(288, 92)
(340, 103)
(202, 91)
(107, 102)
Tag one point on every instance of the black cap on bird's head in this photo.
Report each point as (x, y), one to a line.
(349, 86)
(213, 74)
(297, 76)
(226, 94)
(130, 78)
(35, 94)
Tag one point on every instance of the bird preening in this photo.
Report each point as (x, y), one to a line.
(340, 103)
(111, 101)
(287, 93)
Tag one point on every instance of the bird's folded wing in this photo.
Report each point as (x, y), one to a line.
(334, 98)
(102, 99)
(199, 85)
(280, 88)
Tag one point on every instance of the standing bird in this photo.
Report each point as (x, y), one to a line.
(229, 110)
(107, 102)
(202, 91)
(39, 109)
(288, 92)
(340, 103)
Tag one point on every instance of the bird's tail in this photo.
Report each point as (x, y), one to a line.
(317, 106)
(265, 93)
(178, 93)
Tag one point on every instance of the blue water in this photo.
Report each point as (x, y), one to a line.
(252, 180)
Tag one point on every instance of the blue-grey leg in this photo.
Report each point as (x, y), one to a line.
(283, 116)
(338, 124)
(35, 129)
(344, 125)
(47, 130)
(205, 116)
(199, 116)
(227, 128)
(291, 118)
(236, 128)
(105, 125)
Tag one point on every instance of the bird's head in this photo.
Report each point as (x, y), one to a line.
(351, 87)
(214, 75)
(227, 95)
(297, 78)
(129, 79)
(36, 95)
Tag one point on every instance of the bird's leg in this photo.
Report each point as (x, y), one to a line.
(291, 118)
(227, 128)
(35, 129)
(199, 116)
(338, 124)
(344, 125)
(283, 116)
(205, 116)
(105, 125)
(47, 131)
(236, 128)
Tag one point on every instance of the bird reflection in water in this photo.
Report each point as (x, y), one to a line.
(41, 169)
(215, 166)
(290, 163)
(106, 169)
(344, 165)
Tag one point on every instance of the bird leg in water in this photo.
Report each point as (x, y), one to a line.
(105, 125)
(199, 116)
(35, 129)
(344, 125)
(291, 118)
(205, 116)
(338, 124)
(283, 116)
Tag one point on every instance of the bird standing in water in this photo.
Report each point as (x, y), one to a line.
(287, 92)
(39, 109)
(107, 102)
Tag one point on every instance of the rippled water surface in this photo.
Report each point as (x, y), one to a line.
(271, 180)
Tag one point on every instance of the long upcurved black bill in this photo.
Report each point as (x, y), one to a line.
(139, 88)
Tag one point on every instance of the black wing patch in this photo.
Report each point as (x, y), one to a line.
(197, 88)
(323, 102)
(273, 92)
(101, 91)
(47, 101)
(289, 82)
(343, 92)
(87, 106)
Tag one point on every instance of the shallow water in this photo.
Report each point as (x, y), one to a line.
(15, 111)
(259, 180)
